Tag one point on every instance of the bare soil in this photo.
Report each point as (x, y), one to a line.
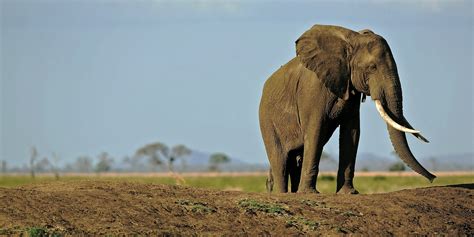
(117, 208)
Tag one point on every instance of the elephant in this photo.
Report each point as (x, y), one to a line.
(320, 89)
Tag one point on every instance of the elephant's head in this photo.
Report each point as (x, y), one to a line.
(346, 61)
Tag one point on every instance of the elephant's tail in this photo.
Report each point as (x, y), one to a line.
(270, 182)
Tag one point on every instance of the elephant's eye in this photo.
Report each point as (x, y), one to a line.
(372, 67)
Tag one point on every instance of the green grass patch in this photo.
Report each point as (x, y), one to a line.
(41, 232)
(196, 207)
(29, 231)
(380, 177)
(4, 232)
(254, 206)
(302, 223)
(327, 178)
(37, 232)
(314, 204)
(342, 230)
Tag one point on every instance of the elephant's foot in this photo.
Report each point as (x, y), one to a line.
(347, 190)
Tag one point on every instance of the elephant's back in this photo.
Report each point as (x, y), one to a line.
(279, 92)
(279, 84)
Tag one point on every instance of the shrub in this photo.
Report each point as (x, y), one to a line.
(398, 166)
(327, 178)
(380, 177)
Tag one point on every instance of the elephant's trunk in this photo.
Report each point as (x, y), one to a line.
(393, 98)
(399, 142)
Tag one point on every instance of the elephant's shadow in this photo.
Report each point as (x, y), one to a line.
(466, 186)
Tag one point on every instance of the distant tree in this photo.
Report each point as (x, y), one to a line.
(33, 156)
(179, 152)
(128, 161)
(216, 159)
(4, 166)
(133, 162)
(157, 152)
(83, 164)
(42, 165)
(105, 162)
(433, 162)
(55, 165)
(68, 167)
(397, 166)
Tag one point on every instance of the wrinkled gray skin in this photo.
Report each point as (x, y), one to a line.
(320, 89)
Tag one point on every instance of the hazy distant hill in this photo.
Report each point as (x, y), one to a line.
(199, 161)
(464, 161)
(453, 162)
(365, 161)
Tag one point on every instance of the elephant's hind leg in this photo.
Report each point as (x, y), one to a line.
(278, 160)
(279, 171)
(278, 164)
(270, 182)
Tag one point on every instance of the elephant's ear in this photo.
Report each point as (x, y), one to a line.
(324, 50)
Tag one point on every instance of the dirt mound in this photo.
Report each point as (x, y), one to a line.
(91, 208)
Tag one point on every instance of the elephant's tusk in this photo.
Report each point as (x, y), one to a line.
(390, 121)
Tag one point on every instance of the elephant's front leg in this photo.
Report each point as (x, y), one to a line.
(348, 143)
(313, 147)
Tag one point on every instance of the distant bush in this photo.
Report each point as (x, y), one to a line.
(216, 159)
(398, 166)
(380, 177)
(105, 162)
(327, 178)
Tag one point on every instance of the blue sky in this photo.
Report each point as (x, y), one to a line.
(82, 77)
